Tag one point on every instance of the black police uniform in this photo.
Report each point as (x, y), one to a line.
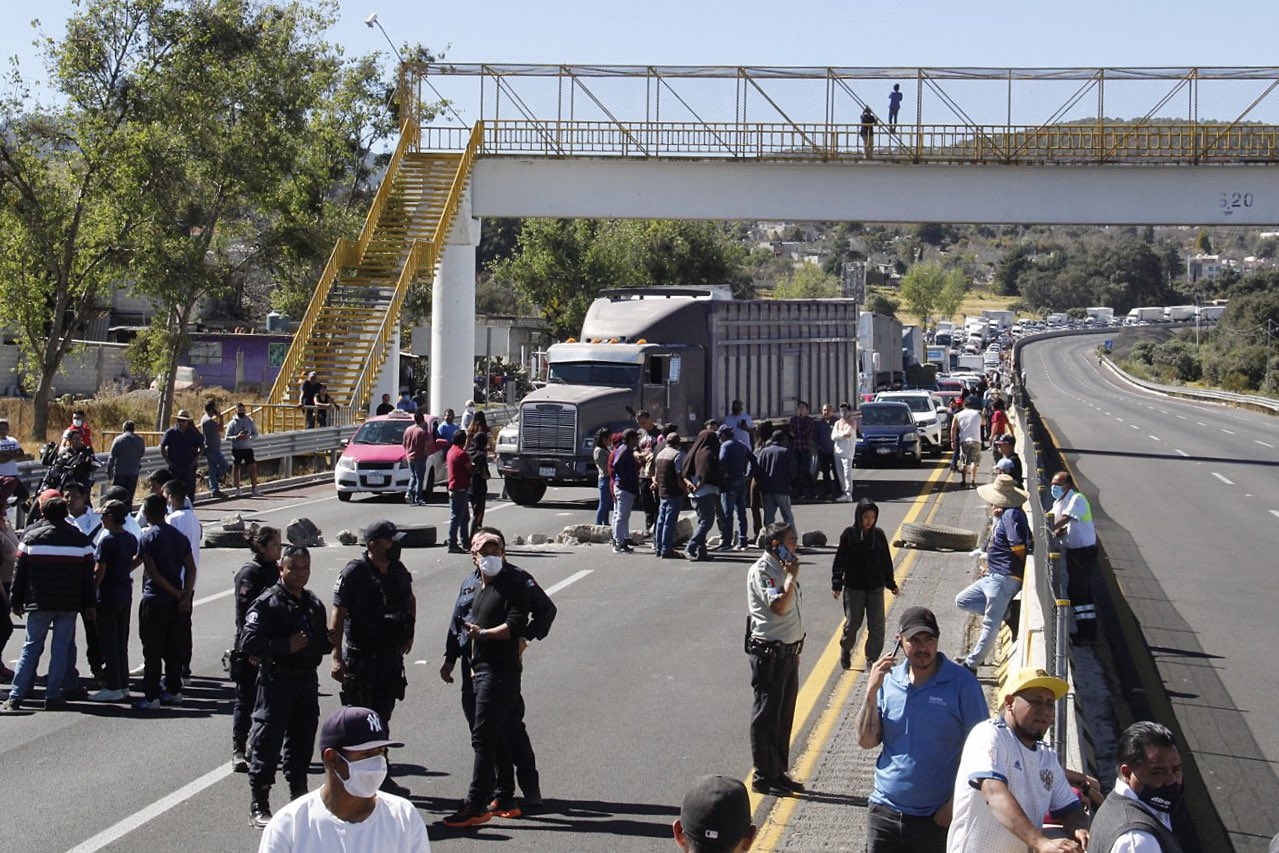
(515, 754)
(254, 578)
(496, 668)
(287, 711)
(379, 623)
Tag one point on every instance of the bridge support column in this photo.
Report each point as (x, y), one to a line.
(453, 315)
(388, 378)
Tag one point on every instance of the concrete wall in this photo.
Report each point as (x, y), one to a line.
(84, 370)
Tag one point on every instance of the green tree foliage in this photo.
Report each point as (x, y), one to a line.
(561, 265)
(1121, 273)
(929, 287)
(1011, 265)
(881, 303)
(952, 294)
(1203, 242)
(807, 281)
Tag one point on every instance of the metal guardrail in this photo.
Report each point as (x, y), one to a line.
(285, 446)
(1256, 401)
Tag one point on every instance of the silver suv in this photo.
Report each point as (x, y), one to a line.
(928, 411)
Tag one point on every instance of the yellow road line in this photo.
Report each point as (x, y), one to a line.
(810, 693)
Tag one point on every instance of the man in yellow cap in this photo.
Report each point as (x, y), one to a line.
(1009, 778)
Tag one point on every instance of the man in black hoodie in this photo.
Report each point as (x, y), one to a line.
(863, 567)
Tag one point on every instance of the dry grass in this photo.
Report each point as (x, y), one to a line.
(975, 301)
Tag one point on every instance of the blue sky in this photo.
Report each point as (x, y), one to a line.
(800, 32)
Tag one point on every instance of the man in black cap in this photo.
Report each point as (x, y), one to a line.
(375, 612)
(919, 712)
(348, 812)
(715, 817)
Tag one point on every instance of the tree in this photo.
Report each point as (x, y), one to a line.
(561, 265)
(807, 281)
(879, 303)
(1011, 265)
(921, 287)
(1204, 243)
(952, 294)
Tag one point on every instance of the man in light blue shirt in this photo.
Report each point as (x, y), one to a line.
(919, 712)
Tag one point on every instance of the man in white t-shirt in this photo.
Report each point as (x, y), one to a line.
(348, 813)
(740, 421)
(965, 434)
(1009, 778)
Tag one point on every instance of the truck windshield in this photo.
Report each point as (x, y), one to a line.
(608, 373)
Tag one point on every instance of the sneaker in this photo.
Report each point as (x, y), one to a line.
(239, 492)
(532, 798)
(239, 761)
(845, 659)
(726, 546)
(145, 704)
(255, 493)
(843, 499)
(467, 815)
(10, 706)
(504, 806)
(171, 700)
(220, 496)
(109, 695)
(770, 787)
(622, 549)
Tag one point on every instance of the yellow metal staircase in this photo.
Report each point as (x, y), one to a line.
(346, 332)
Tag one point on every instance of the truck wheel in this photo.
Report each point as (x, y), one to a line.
(345, 496)
(939, 537)
(525, 492)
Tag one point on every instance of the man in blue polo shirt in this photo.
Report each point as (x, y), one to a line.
(920, 712)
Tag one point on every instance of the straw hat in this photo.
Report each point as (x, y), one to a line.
(1002, 492)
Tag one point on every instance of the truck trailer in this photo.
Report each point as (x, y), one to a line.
(682, 354)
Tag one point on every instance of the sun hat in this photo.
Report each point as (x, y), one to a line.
(1003, 492)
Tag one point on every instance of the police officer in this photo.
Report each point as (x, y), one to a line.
(285, 631)
(253, 579)
(774, 639)
(515, 754)
(375, 611)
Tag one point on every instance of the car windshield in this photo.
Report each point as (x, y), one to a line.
(382, 432)
(917, 404)
(608, 373)
(886, 415)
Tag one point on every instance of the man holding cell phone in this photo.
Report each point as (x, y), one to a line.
(774, 640)
(920, 712)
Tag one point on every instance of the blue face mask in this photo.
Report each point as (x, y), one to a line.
(1057, 492)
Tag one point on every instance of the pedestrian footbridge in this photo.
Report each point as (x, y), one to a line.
(1103, 146)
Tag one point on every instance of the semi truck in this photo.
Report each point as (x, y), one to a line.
(683, 354)
(880, 335)
(1147, 314)
(1003, 320)
(1211, 313)
(1101, 315)
(1179, 313)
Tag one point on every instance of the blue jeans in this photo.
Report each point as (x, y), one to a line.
(622, 516)
(775, 503)
(987, 597)
(732, 502)
(459, 517)
(217, 467)
(707, 507)
(61, 652)
(605, 506)
(667, 519)
(417, 481)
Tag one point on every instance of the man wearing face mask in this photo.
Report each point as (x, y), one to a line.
(493, 630)
(349, 812)
(285, 630)
(375, 612)
(774, 640)
(1137, 815)
(515, 756)
(1072, 523)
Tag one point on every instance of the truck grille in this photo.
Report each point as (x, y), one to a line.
(548, 428)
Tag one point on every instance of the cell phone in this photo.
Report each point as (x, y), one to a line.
(897, 648)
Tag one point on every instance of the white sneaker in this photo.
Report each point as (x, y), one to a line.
(255, 493)
(105, 695)
(844, 499)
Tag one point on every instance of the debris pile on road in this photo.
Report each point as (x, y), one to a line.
(303, 533)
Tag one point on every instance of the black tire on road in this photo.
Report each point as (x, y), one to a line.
(525, 492)
(939, 537)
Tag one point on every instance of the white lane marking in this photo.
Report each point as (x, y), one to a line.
(1226, 431)
(1275, 513)
(1201, 423)
(1182, 452)
(1134, 426)
(1181, 417)
(223, 594)
(159, 807)
(1164, 412)
(1222, 479)
(568, 580)
(1263, 443)
(1121, 420)
(1155, 438)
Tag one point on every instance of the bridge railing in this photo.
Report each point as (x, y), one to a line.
(941, 143)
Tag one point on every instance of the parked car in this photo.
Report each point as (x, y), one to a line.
(373, 460)
(888, 433)
(930, 414)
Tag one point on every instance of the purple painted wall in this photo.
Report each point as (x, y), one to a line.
(214, 357)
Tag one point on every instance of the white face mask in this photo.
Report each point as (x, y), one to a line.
(367, 775)
(490, 565)
(77, 422)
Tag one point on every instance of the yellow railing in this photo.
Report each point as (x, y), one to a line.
(346, 253)
(424, 255)
(1066, 144)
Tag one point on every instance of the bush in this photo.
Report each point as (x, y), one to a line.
(1177, 360)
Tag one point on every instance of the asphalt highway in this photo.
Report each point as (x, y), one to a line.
(1186, 497)
(641, 687)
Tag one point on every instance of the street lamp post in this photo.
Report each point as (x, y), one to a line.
(371, 21)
